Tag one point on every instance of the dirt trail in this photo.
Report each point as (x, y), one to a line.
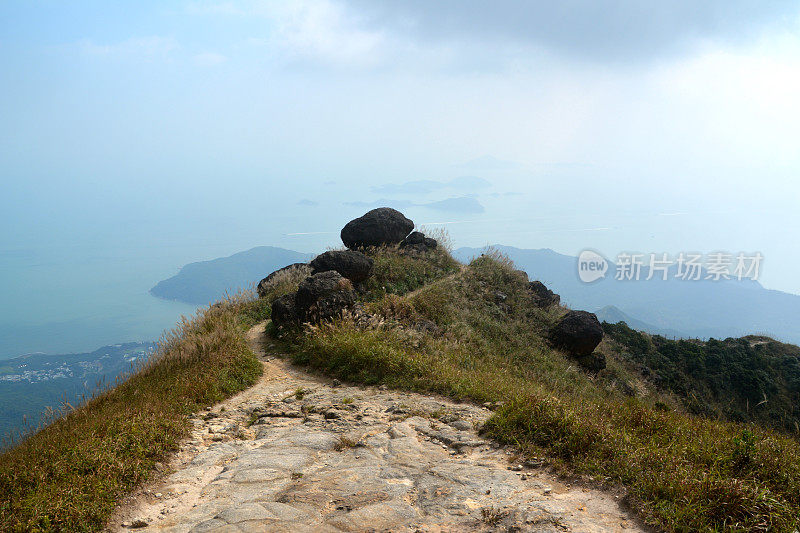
(342, 458)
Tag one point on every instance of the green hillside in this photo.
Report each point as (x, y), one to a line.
(749, 379)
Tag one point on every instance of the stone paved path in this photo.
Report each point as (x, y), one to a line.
(299, 453)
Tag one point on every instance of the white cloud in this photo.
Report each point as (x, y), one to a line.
(323, 31)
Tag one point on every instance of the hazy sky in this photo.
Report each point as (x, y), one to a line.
(618, 125)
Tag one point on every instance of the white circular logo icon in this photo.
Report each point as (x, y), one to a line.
(591, 266)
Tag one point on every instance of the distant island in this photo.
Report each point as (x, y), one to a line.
(205, 282)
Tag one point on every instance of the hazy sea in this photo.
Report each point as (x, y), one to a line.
(68, 299)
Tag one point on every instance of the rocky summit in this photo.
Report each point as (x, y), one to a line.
(416, 240)
(329, 290)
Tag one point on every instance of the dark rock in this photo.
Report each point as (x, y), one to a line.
(542, 296)
(354, 266)
(324, 296)
(578, 333)
(318, 286)
(284, 311)
(262, 285)
(418, 242)
(377, 227)
(415, 237)
(593, 362)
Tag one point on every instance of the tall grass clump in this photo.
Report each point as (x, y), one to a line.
(69, 475)
(398, 271)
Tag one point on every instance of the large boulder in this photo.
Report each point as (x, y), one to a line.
(284, 311)
(377, 227)
(263, 285)
(542, 296)
(353, 265)
(323, 296)
(577, 333)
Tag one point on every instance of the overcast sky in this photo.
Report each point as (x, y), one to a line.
(618, 125)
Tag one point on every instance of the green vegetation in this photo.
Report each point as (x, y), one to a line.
(398, 273)
(751, 379)
(68, 476)
(682, 472)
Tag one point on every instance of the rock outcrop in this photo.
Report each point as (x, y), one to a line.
(542, 296)
(377, 227)
(578, 333)
(284, 310)
(319, 297)
(352, 265)
(323, 296)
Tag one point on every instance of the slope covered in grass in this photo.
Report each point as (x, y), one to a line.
(475, 334)
(749, 379)
(68, 476)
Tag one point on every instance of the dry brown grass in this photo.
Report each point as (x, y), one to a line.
(286, 281)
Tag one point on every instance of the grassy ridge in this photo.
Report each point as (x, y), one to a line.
(68, 476)
(682, 472)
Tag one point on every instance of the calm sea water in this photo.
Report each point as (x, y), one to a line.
(76, 299)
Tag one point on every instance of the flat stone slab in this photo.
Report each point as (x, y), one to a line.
(348, 458)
